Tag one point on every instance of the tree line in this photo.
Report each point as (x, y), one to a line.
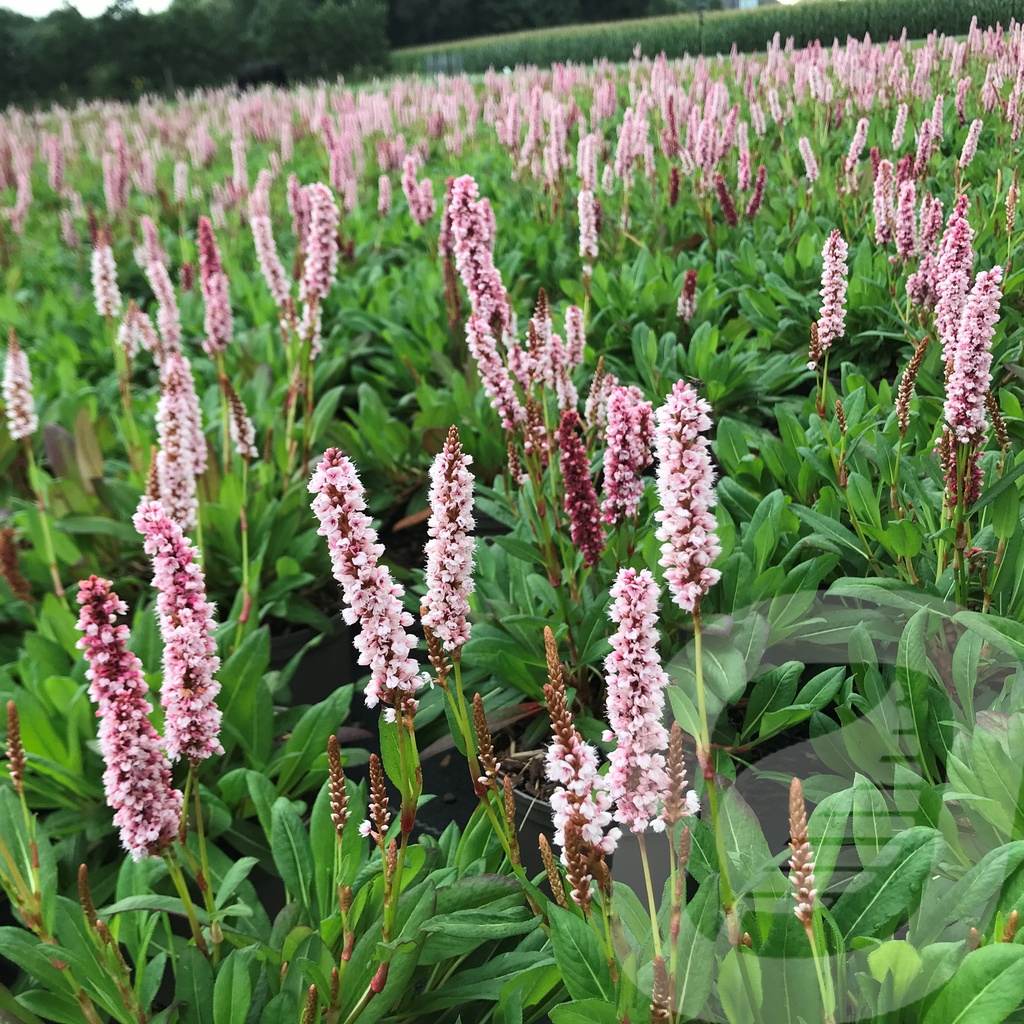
(194, 43)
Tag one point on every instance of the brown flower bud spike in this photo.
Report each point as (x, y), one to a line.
(554, 875)
(336, 787)
(15, 750)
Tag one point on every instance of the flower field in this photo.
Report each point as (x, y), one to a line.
(537, 547)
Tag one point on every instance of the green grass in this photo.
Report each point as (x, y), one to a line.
(682, 33)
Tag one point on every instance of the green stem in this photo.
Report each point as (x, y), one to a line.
(51, 558)
(652, 905)
(364, 1001)
(243, 615)
(291, 402)
(225, 416)
(498, 824)
(854, 521)
(179, 883)
(307, 423)
(676, 910)
(395, 890)
(825, 986)
(216, 934)
(961, 525)
(123, 367)
(755, 1006)
(707, 763)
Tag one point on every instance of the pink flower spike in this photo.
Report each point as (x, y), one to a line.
(832, 317)
(106, 294)
(17, 391)
(218, 324)
(168, 317)
(450, 548)
(581, 792)
(575, 337)
(321, 260)
(725, 200)
(490, 322)
(906, 228)
(372, 597)
(810, 164)
(265, 244)
(189, 690)
(685, 480)
(419, 195)
(128, 333)
(971, 376)
(580, 496)
(971, 143)
(444, 235)
(636, 702)
(137, 779)
(182, 453)
(627, 453)
(900, 127)
(884, 204)
(952, 278)
(757, 196)
(587, 209)
(686, 307)
(155, 252)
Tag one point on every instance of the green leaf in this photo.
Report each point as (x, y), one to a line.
(54, 1006)
(986, 988)
(292, 853)
(1006, 509)
(890, 889)
(233, 878)
(483, 923)
(326, 407)
(827, 529)
(744, 841)
(914, 682)
(194, 978)
(579, 956)
(772, 692)
(484, 982)
(806, 250)
(1006, 634)
(232, 991)
(245, 700)
(788, 983)
(699, 930)
(732, 988)
(871, 826)
(900, 961)
(99, 525)
(1005, 482)
(585, 1011)
(964, 903)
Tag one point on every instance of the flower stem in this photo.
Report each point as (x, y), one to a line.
(225, 423)
(215, 930)
(179, 883)
(652, 905)
(705, 757)
(123, 366)
(243, 522)
(51, 558)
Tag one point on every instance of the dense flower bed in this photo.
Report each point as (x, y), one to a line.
(652, 434)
